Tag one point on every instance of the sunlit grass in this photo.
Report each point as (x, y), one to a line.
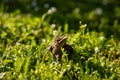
(24, 51)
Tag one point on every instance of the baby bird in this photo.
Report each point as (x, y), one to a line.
(60, 42)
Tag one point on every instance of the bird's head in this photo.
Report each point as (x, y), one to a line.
(60, 40)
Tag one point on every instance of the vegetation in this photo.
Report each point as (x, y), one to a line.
(25, 40)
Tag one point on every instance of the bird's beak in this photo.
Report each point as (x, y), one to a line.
(64, 37)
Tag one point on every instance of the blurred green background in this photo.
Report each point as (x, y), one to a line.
(28, 28)
(99, 15)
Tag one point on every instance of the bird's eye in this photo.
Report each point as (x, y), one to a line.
(58, 40)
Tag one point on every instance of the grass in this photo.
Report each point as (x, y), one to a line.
(24, 51)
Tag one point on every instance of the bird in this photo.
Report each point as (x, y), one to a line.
(58, 44)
